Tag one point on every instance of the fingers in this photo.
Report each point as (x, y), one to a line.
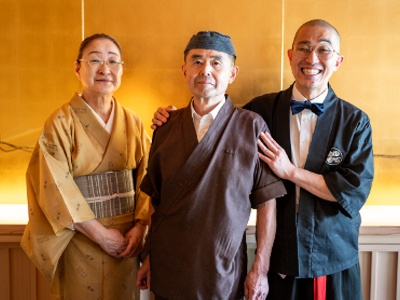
(114, 245)
(158, 119)
(269, 141)
(141, 282)
(161, 116)
(143, 275)
(171, 108)
(130, 251)
(126, 253)
(163, 112)
(117, 253)
(263, 148)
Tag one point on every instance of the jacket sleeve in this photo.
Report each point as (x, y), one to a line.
(351, 183)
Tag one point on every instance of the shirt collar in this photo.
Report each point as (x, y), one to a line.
(213, 113)
(296, 95)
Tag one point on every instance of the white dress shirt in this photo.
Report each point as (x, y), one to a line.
(302, 126)
(203, 123)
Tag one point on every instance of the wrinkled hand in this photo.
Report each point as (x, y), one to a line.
(134, 238)
(161, 116)
(113, 242)
(143, 275)
(256, 286)
(275, 156)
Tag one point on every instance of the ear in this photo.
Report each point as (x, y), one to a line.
(234, 73)
(338, 62)
(184, 70)
(290, 54)
(77, 67)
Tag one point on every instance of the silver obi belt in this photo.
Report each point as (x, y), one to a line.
(108, 194)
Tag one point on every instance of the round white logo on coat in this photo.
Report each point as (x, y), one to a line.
(335, 157)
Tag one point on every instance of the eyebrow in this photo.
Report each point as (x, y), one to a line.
(98, 52)
(320, 41)
(195, 56)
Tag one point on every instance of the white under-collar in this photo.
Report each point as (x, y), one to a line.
(107, 126)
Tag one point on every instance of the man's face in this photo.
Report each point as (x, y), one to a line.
(312, 72)
(208, 73)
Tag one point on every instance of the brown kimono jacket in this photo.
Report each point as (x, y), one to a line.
(203, 193)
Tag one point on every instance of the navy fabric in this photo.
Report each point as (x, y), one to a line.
(322, 237)
(299, 106)
(211, 40)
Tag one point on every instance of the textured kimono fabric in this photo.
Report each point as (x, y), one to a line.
(203, 193)
(74, 144)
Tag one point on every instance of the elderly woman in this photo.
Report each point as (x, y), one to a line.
(87, 215)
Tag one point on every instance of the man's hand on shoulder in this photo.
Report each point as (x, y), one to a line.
(161, 116)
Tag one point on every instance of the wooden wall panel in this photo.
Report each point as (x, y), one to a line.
(5, 283)
(379, 262)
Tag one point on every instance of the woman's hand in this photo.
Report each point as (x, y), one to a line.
(110, 240)
(134, 238)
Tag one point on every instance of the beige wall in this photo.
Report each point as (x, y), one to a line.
(40, 39)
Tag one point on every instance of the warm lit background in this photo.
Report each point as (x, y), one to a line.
(40, 39)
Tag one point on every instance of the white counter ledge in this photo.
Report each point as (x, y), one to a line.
(372, 216)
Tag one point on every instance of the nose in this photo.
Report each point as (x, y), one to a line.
(104, 68)
(206, 69)
(312, 56)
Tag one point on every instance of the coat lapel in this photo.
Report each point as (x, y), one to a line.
(281, 120)
(113, 146)
(320, 140)
(89, 121)
(199, 153)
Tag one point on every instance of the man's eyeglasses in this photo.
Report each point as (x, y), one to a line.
(323, 50)
(98, 62)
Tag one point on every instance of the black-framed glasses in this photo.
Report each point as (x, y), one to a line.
(113, 64)
(323, 50)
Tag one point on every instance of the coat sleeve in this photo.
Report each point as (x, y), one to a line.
(351, 183)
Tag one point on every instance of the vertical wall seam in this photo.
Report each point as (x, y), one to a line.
(374, 280)
(83, 18)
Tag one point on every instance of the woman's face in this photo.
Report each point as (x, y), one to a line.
(100, 79)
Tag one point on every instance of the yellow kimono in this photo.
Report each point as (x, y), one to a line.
(74, 144)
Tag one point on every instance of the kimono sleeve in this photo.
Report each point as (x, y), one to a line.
(267, 185)
(50, 175)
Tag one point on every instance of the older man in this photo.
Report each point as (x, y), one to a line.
(204, 176)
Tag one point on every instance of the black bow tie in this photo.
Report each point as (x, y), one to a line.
(299, 106)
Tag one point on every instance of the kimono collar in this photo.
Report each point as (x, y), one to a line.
(107, 126)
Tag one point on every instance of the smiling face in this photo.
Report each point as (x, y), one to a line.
(208, 74)
(311, 72)
(99, 81)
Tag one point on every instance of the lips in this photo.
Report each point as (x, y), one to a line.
(104, 80)
(204, 82)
